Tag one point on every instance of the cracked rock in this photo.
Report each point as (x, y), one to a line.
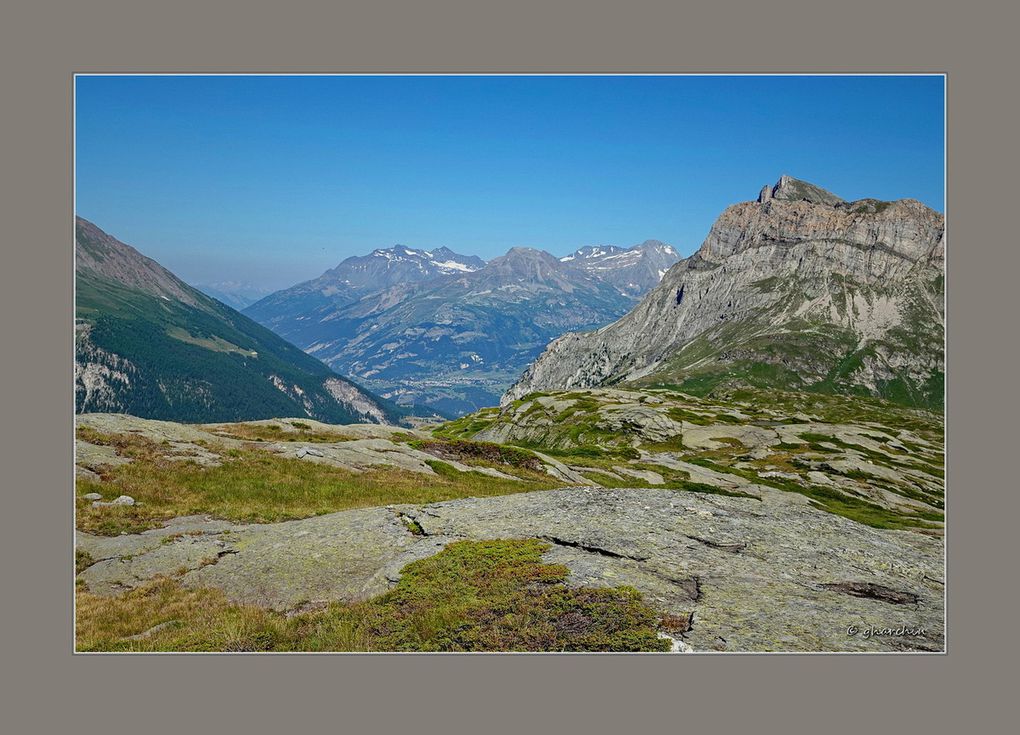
(752, 575)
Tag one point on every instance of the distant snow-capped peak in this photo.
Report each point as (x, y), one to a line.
(443, 259)
(613, 252)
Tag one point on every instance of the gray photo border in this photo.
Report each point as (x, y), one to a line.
(43, 46)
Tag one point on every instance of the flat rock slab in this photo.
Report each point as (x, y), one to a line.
(107, 547)
(115, 575)
(342, 556)
(646, 421)
(758, 569)
(89, 456)
(652, 478)
(697, 473)
(757, 575)
(705, 437)
(157, 431)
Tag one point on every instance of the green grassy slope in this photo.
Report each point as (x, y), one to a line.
(198, 363)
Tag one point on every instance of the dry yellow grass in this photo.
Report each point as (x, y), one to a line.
(253, 485)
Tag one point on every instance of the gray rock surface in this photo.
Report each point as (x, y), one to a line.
(769, 574)
(649, 476)
(359, 447)
(89, 456)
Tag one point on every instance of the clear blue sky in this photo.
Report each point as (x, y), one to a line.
(274, 179)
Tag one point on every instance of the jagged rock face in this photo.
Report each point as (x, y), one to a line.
(101, 378)
(797, 290)
(794, 190)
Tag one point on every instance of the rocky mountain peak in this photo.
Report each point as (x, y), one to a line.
(632, 271)
(655, 246)
(524, 263)
(802, 290)
(444, 256)
(526, 255)
(592, 251)
(791, 189)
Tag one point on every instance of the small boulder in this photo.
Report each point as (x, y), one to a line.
(124, 500)
(84, 473)
(92, 496)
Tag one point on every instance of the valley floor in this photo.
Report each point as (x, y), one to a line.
(604, 520)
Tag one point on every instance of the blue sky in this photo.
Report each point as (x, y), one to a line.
(273, 180)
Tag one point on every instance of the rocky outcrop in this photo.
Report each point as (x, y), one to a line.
(101, 378)
(797, 289)
(358, 447)
(760, 524)
(774, 574)
(888, 456)
(794, 190)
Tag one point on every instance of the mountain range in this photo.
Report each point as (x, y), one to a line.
(797, 289)
(148, 344)
(449, 331)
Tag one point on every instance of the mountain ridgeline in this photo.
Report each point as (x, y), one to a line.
(148, 344)
(634, 271)
(797, 290)
(452, 332)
